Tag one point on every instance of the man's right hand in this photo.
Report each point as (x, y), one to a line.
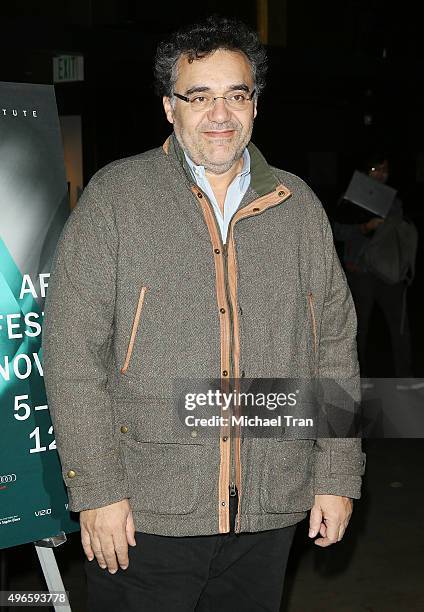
(106, 533)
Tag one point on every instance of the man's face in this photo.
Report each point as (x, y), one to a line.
(214, 138)
(380, 172)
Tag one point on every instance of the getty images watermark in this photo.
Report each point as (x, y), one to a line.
(228, 401)
(301, 408)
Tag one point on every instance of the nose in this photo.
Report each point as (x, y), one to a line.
(219, 111)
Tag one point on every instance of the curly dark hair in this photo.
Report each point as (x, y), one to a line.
(201, 39)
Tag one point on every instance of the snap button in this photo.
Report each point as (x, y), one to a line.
(281, 193)
(223, 503)
(124, 429)
(224, 438)
(194, 433)
(217, 251)
(222, 310)
(224, 372)
(199, 195)
(71, 474)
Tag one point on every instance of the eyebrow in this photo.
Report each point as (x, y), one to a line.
(201, 88)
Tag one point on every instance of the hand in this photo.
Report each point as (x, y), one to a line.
(373, 223)
(329, 517)
(106, 533)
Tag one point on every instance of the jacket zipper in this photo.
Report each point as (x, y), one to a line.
(134, 328)
(231, 372)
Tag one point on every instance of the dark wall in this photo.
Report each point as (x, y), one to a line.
(349, 79)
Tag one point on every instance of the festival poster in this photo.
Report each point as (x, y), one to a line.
(33, 209)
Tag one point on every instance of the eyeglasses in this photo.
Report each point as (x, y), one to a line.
(237, 100)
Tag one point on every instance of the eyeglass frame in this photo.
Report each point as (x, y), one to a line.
(186, 99)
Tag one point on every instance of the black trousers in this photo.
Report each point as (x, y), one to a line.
(227, 572)
(368, 290)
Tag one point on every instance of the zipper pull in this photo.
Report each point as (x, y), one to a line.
(233, 491)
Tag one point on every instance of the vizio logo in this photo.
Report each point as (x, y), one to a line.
(43, 512)
(7, 478)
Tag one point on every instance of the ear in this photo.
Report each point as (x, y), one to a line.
(169, 112)
(255, 108)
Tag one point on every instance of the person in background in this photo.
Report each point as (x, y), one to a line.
(356, 232)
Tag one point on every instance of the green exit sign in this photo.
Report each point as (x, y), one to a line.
(68, 68)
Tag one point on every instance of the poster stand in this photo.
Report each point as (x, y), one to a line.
(49, 566)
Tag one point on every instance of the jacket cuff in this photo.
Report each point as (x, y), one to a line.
(347, 486)
(97, 495)
(338, 472)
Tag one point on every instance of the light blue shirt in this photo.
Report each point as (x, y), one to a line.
(235, 191)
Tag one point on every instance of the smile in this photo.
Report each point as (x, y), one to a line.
(226, 134)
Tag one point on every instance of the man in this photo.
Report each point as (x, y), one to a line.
(196, 260)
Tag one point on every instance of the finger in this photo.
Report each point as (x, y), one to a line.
(109, 554)
(331, 534)
(322, 542)
(315, 519)
(342, 529)
(323, 530)
(344, 524)
(97, 550)
(121, 548)
(130, 530)
(86, 543)
(333, 527)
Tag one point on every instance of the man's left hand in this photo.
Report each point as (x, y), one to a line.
(329, 517)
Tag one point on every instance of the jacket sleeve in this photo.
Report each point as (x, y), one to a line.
(77, 336)
(340, 462)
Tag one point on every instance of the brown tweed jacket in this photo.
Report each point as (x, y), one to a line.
(142, 293)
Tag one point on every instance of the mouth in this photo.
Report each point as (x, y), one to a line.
(219, 134)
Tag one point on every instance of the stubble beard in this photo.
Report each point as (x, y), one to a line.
(198, 153)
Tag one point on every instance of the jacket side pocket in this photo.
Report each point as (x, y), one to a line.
(287, 478)
(134, 329)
